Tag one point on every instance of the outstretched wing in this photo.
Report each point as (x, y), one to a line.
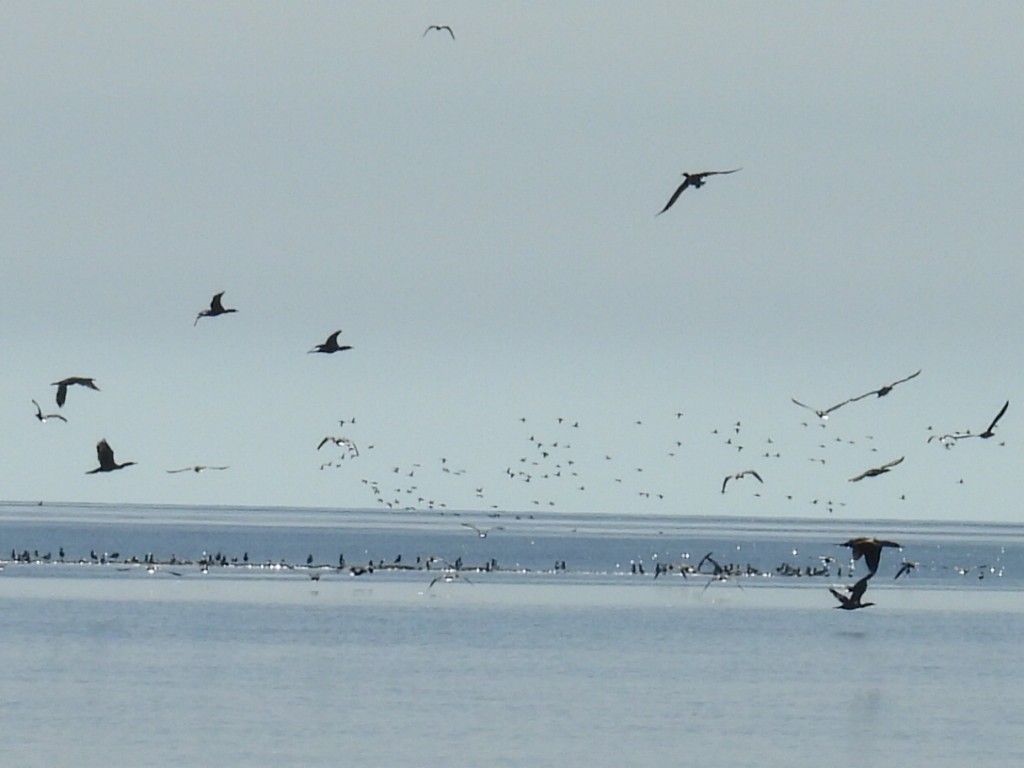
(998, 416)
(675, 196)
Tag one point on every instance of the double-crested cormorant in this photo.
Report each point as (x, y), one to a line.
(869, 548)
(439, 27)
(852, 601)
(105, 454)
(740, 476)
(331, 345)
(875, 471)
(44, 416)
(216, 308)
(695, 180)
(63, 384)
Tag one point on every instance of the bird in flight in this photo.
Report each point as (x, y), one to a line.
(105, 454)
(439, 27)
(883, 391)
(197, 468)
(44, 416)
(482, 532)
(63, 384)
(870, 549)
(740, 476)
(695, 180)
(852, 601)
(947, 440)
(823, 412)
(344, 441)
(905, 567)
(875, 471)
(216, 308)
(330, 346)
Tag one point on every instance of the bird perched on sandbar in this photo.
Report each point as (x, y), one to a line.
(216, 308)
(740, 476)
(105, 454)
(439, 28)
(63, 384)
(695, 180)
(331, 345)
(870, 549)
(875, 471)
(43, 417)
(852, 601)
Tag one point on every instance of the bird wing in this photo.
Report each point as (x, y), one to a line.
(843, 599)
(726, 482)
(470, 525)
(908, 378)
(861, 476)
(39, 411)
(215, 304)
(702, 174)
(752, 472)
(324, 442)
(803, 405)
(998, 416)
(105, 453)
(62, 393)
(675, 196)
(892, 463)
(175, 471)
(858, 590)
(449, 31)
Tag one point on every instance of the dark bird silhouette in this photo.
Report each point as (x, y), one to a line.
(883, 391)
(905, 567)
(990, 431)
(482, 532)
(852, 601)
(823, 412)
(947, 440)
(44, 416)
(869, 548)
(197, 468)
(343, 441)
(439, 27)
(875, 471)
(63, 384)
(331, 345)
(216, 308)
(105, 454)
(695, 180)
(740, 476)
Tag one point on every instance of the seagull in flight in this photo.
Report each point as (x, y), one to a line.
(823, 412)
(197, 468)
(439, 27)
(695, 180)
(216, 308)
(870, 549)
(44, 416)
(63, 384)
(875, 471)
(740, 476)
(883, 391)
(852, 601)
(482, 532)
(331, 345)
(105, 454)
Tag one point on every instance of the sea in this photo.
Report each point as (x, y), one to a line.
(184, 636)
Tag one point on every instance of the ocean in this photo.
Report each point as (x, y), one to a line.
(175, 636)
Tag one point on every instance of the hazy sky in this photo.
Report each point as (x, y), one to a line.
(478, 215)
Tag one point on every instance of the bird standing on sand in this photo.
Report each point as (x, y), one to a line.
(63, 384)
(105, 454)
(870, 549)
(740, 476)
(331, 345)
(439, 28)
(44, 416)
(216, 308)
(695, 180)
(875, 471)
(852, 601)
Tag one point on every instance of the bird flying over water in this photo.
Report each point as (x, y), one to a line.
(482, 532)
(883, 391)
(869, 548)
(105, 454)
(439, 27)
(852, 601)
(63, 384)
(197, 468)
(44, 416)
(695, 180)
(905, 567)
(875, 471)
(216, 308)
(330, 346)
(740, 476)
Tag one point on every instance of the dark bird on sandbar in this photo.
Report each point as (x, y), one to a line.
(821, 413)
(482, 532)
(44, 416)
(870, 549)
(740, 476)
(197, 468)
(439, 28)
(331, 345)
(883, 391)
(852, 601)
(216, 308)
(63, 384)
(875, 471)
(105, 454)
(695, 180)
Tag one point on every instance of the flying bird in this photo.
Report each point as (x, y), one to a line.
(875, 471)
(63, 384)
(197, 468)
(439, 27)
(482, 532)
(989, 431)
(823, 412)
(216, 308)
(349, 444)
(870, 549)
(44, 416)
(330, 346)
(883, 391)
(905, 567)
(740, 476)
(105, 454)
(695, 180)
(852, 601)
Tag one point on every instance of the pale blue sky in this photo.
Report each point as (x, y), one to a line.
(478, 216)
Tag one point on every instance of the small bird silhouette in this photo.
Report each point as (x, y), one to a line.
(852, 601)
(695, 180)
(63, 384)
(740, 476)
(197, 468)
(216, 308)
(330, 346)
(991, 427)
(105, 454)
(482, 532)
(439, 27)
(344, 441)
(44, 416)
(905, 567)
(883, 391)
(875, 471)
(821, 413)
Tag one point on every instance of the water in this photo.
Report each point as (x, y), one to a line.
(523, 666)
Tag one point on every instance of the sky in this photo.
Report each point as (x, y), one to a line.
(478, 216)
